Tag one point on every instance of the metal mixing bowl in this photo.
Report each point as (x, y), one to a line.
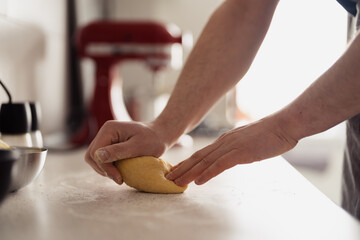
(27, 167)
(7, 159)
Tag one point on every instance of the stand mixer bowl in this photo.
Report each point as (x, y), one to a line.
(7, 159)
(109, 43)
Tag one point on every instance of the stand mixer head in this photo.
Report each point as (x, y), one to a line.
(108, 43)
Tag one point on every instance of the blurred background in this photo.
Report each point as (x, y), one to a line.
(40, 61)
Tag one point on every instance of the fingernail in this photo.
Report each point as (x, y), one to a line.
(178, 182)
(102, 155)
(119, 180)
(199, 181)
(168, 176)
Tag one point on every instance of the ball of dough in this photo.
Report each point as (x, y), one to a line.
(147, 174)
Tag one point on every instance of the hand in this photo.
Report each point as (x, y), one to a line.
(254, 142)
(120, 140)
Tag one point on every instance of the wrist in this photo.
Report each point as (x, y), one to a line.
(287, 125)
(168, 131)
(297, 122)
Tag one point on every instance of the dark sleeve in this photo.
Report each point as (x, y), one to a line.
(349, 5)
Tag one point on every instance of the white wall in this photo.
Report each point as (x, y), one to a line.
(40, 75)
(22, 47)
(305, 38)
(3, 6)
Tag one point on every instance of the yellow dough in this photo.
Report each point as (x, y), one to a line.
(147, 174)
(4, 145)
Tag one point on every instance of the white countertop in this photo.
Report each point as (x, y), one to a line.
(266, 200)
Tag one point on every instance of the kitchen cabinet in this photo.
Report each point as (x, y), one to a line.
(264, 200)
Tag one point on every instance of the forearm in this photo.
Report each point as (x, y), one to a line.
(221, 57)
(331, 99)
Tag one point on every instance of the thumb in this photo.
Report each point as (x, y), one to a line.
(117, 151)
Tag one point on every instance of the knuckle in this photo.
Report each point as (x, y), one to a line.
(109, 123)
(149, 147)
(196, 155)
(220, 164)
(206, 161)
(222, 136)
(87, 160)
(223, 165)
(158, 151)
(180, 181)
(106, 126)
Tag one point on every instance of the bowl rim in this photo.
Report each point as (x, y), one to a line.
(21, 148)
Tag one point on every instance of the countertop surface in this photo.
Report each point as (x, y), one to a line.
(265, 200)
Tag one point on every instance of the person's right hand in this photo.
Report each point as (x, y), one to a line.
(259, 140)
(120, 140)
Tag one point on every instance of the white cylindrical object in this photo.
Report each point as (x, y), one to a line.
(37, 139)
(17, 140)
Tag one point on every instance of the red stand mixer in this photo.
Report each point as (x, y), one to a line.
(108, 43)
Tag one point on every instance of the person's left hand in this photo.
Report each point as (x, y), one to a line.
(254, 142)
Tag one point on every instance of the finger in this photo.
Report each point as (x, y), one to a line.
(93, 164)
(223, 163)
(104, 169)
(187, 164)
(119, 151)
(88, 156)
(107, 135)
(176, 166)
(198, 167)
(97, 168)
(112, 172)
(194, 171)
